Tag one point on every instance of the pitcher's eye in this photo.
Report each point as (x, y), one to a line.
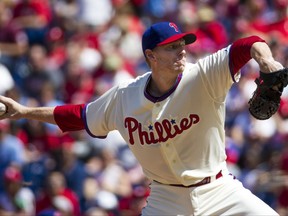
(182, 43)
(172, 46)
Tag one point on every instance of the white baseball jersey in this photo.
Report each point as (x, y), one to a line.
(178, 138)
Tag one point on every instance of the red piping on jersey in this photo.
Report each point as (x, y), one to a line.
(239, 53)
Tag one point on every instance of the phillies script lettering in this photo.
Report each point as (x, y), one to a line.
(160, 131)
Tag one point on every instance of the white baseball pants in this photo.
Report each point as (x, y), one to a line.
(224, 196)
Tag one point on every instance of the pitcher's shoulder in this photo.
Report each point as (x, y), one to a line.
(136, 82)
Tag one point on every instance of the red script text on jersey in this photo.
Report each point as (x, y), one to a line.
(160, 131)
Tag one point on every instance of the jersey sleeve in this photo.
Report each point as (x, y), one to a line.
(221, 69)
(239, 53)
(216, 75)
(100, 115)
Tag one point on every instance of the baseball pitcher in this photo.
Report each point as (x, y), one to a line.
(172, 118)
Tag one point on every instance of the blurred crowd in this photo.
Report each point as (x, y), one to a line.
(54, 52)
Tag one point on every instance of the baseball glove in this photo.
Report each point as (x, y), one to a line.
(266, 98)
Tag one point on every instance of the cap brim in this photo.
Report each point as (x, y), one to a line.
(188, 37)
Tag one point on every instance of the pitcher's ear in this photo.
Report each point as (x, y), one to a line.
(149, 54)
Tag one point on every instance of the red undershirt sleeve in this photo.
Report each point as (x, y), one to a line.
(240, 53)
(70, 117)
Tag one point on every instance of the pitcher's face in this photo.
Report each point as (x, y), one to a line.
(171, 57)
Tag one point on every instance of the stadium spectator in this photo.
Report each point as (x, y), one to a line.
(34, 17)
(16, 199)
(11, 150)
(56, 186)
(13, 43)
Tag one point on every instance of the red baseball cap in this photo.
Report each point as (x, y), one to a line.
(163, 33)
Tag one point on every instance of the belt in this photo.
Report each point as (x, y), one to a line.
(204, 181)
